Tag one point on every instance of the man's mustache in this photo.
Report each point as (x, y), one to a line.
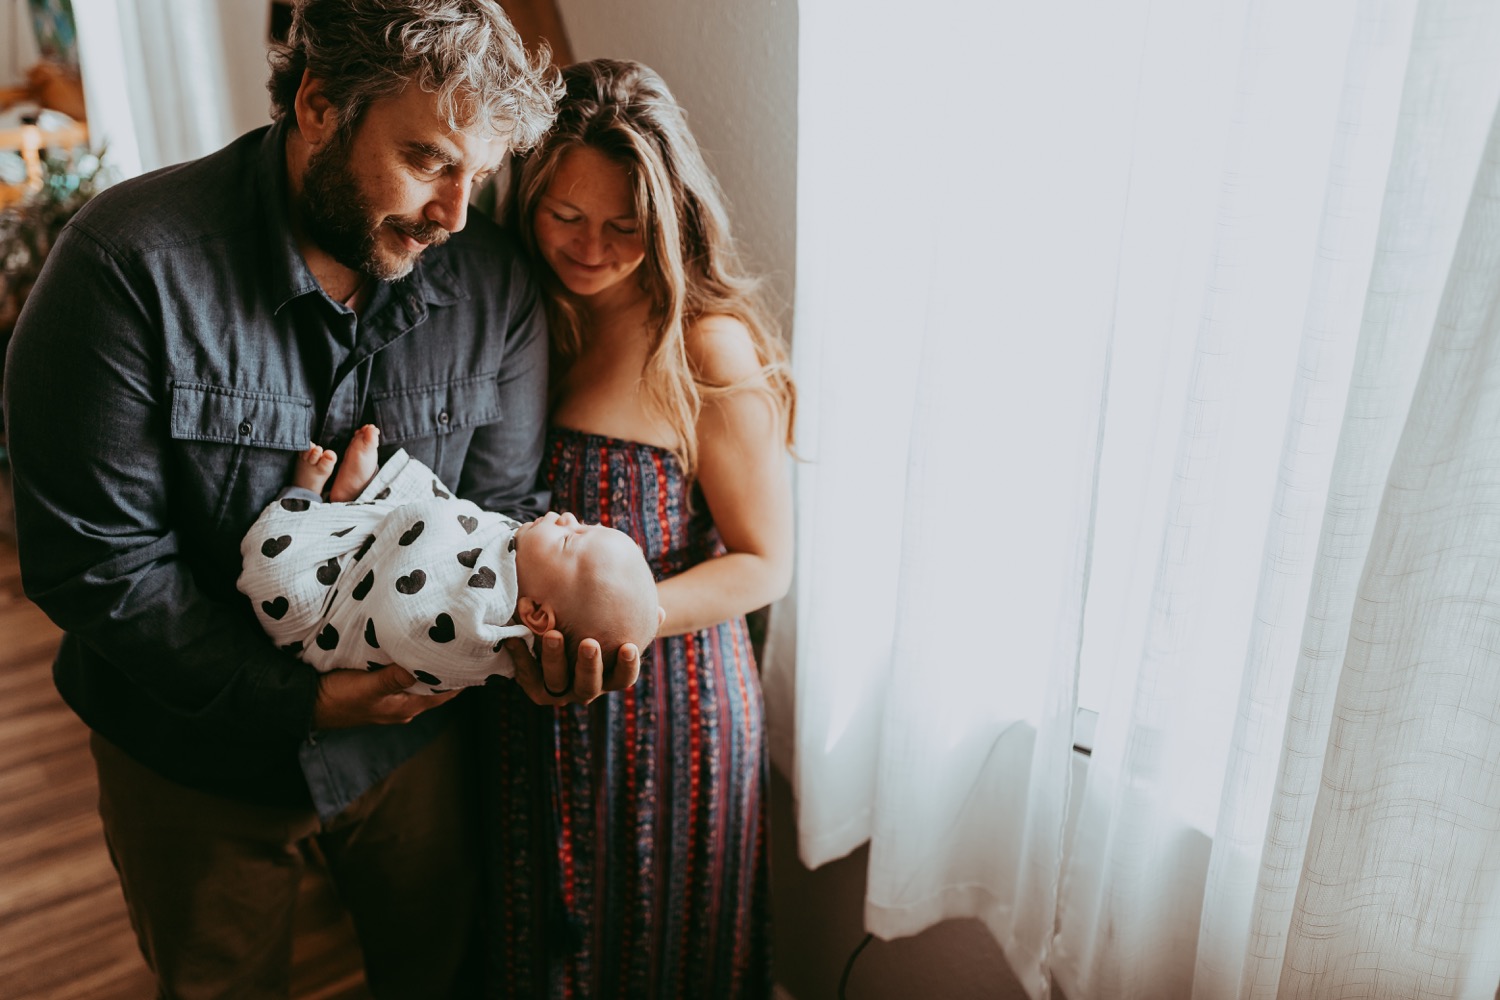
(430, 232)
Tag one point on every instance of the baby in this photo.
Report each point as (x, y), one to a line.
(395, 569)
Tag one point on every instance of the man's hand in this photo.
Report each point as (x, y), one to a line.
(547, 683)
(360, 698)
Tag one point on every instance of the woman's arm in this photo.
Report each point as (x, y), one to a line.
(745, 478)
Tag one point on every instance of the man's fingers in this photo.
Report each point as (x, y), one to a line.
(529, 673)
(393, 679)
(555, 671)
(358, 698)
(422, 702)
(627, 668)
(547, 682)
(588, 673)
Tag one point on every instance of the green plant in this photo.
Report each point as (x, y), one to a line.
(30, 227)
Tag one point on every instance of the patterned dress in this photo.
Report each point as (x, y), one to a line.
(627, 841)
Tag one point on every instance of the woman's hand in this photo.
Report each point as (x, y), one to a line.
(547, 683)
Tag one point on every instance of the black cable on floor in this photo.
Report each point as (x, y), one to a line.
(849, 965)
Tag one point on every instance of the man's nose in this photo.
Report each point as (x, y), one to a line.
(449, 208)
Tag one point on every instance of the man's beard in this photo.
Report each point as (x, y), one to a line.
(340, 220)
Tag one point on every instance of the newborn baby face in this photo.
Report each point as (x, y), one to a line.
(555, 552)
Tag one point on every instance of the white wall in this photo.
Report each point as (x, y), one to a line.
(733, 65)
(18, 49)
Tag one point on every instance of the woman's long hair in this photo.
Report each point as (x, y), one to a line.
(624, 110)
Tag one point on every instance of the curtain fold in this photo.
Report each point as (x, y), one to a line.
(942, 456)
(1397, 891)
(155, 79)
(1176, 397)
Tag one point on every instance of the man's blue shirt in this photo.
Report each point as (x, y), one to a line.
(174, 357)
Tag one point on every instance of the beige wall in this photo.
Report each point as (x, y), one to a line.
(246, 27)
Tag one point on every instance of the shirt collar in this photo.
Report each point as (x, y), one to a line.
(432, 280)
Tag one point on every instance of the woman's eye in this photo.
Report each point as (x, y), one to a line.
(623, 230)
(569, 219)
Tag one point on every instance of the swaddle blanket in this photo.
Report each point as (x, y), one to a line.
(407, 574)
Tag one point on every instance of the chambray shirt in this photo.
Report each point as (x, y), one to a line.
(172, 360)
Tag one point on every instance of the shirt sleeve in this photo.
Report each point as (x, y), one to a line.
(500, 470)
(87, 402)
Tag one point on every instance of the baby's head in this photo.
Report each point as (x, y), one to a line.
(586, 581)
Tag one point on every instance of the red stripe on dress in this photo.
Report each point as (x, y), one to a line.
(694, 761)
(663, 522)
(722, 749)
(741, 667)
(565, 824)
(628, 835)
(603, 486)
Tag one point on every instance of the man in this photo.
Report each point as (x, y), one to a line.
(192, 331)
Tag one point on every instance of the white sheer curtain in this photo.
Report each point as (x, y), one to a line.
(1155, 344)
(155, 79)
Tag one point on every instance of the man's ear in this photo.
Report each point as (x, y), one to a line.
(661, 616)
(537, 617)
(317, 119)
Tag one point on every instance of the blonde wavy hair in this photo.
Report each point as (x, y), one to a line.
(691, 270)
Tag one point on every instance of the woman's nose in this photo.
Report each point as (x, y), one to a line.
(590, 246)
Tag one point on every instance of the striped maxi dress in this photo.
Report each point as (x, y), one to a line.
(626, 842)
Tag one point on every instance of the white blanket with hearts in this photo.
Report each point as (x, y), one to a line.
(406, 573)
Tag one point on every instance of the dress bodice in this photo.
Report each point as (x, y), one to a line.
(638, 488)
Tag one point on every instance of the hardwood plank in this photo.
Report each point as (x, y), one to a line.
(66, 933)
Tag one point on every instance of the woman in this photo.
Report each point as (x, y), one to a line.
(630, 843)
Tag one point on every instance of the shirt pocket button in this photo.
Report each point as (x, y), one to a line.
(443, 417)
(245, 428)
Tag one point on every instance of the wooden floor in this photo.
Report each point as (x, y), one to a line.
(64, 934)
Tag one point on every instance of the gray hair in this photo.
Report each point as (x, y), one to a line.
(464, 51)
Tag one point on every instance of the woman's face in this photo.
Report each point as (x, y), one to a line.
(585, 223)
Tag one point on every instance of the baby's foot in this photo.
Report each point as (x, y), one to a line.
(313, 468)
(359, 466)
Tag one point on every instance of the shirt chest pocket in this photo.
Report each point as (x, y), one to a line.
(408, 415)
(236, 447)
(244, 417)
(436, 423)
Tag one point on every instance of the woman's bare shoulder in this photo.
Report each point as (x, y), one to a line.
(721, 349)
